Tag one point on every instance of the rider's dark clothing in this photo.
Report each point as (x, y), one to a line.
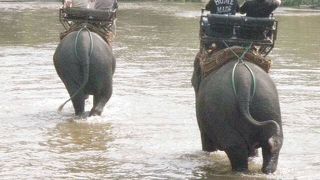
(227, 7)
(106, 4)
(259, 8)
(223, 7)
(109, 27)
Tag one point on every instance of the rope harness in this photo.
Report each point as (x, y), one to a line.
(76, 41)
(105, 33)
(241, 61)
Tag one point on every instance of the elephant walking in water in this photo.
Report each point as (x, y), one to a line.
(241, 118)
(85, 64)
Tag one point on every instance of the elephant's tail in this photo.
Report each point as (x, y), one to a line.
(244, 97)
(244, 111)
(247, 87)
(85, 62)
(275, 140)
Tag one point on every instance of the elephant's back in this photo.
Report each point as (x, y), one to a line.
(82, 45)
(79, 49)
(222, 79)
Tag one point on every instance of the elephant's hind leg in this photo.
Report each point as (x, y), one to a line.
(207, 144)
(78, 103)
(270, 159)
(99, 101)
(238, 156)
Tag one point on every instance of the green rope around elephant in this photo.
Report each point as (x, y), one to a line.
(76, 40)
(240, 60)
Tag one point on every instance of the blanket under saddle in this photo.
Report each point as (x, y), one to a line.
(213, 61)
(105, 34)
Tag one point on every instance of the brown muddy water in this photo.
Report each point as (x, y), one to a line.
(148, 129)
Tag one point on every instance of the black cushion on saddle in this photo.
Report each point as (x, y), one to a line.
(88, 14)
(239, 20)
(256, 28)
(224, 19)
(259, 22)
(226, 26)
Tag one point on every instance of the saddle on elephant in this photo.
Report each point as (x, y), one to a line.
(228, 37)
(98, 21)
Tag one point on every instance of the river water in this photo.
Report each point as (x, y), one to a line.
(148, 129)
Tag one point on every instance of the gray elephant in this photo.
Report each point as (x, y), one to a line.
(85, 64)
(239, 118)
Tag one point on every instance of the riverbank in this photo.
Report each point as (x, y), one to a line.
(297, 11)
(314, 7)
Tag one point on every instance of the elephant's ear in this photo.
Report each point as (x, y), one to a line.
(196, 76)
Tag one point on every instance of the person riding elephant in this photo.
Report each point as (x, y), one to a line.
(110, 27)
(259, 8)
(106, 4)
(94, 4)
(105, 28)
(224, 7)
(77, 3)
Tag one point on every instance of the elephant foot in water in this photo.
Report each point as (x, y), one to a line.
(238, 156)
(207, 144)
(95, 112)
(270, 153)
(99, 101)
(98, 105)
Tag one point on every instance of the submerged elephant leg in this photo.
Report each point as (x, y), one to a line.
(99, 101)
(238, 157)
(207, 144)
(79, 99)
(270, 159)
(78, 103)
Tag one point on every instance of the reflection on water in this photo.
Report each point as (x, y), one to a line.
(81, 146)
(148, 129)
(79, 136)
